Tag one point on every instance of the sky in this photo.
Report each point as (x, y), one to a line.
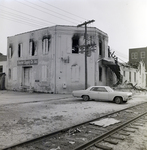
(125, 21)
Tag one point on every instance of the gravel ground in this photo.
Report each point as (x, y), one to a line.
(22, 119)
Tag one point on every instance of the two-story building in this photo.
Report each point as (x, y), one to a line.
(52, 60)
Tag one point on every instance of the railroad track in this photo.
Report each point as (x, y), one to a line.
(92, 134)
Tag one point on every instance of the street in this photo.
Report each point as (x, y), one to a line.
(29, 115)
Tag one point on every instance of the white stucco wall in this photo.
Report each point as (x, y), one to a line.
(65, 71)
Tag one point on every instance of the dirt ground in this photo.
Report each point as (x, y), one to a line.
(23, 117)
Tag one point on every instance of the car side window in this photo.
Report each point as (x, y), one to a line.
(98, 89)
(94, 89)
(102, 89)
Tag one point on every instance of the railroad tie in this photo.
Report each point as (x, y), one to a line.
(137, 124)
(110, 141)
(117, 137)
(132, 127)
(103, 147)
(125, 134)
(127, 130)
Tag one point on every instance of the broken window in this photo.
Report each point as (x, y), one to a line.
(46, 44)
(75, 44)
(100, 73)
(20, 50)
(100, 47)
(32, 48)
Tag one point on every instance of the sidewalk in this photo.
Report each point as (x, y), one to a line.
(7, 97)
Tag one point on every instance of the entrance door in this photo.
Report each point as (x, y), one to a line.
(27, 76)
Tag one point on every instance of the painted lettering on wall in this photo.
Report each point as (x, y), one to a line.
(27, 62)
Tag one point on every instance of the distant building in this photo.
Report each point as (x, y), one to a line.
(136, 55)
(134, 74)
(3, 70)
(53, 60)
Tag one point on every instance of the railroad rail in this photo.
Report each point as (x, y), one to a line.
(91, 133)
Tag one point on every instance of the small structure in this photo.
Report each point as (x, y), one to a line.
(52, 60)
(3, 70)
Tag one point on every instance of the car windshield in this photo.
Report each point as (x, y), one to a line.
(109, 89)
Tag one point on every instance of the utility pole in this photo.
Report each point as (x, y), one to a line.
(86, 49)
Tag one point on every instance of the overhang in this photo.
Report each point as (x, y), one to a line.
(114, 67)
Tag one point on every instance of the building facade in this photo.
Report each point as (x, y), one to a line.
(53, 60)
(137, 55)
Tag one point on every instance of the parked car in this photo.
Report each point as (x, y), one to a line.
(103, 93)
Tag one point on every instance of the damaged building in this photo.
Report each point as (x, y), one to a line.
(134, 74)
(52, 60)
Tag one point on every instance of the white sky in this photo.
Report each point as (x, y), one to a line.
(125, 21)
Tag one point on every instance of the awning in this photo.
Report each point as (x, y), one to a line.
(114, 67)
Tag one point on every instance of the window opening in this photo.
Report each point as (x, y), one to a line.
(10, 52)
(9, 73)
(130, 76)
(142, 54)
(33, 50)
(100, 73)
(134, 76)
(46, 44)
(1, 69)
(75, 44)
(109, 53)
(19, 50)
(100, 47)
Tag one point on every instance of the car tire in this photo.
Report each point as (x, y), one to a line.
(85, 97)
(118, 100)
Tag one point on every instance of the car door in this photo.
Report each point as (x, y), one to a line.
(93, 93)
(102, 93)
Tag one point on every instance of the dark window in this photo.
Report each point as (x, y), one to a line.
(75, 44)
(19, 50)
(1, 69)
(100, 47)
(109, 53)
(100, 73)
(32, 48)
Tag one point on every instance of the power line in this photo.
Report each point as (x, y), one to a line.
(62, 10)
(53, 11)
(27, 14)
(42, 10)
(22, 18)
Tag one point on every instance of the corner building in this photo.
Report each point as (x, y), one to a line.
(52, 60)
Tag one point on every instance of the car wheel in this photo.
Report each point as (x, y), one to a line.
(85, 97)
(118, 100)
